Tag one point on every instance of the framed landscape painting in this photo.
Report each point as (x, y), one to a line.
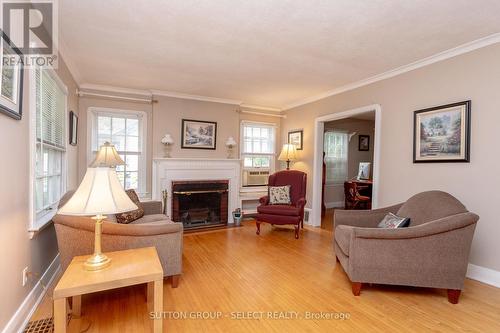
(198, 134)
(295, 138)
(442, 134)
(11, 82)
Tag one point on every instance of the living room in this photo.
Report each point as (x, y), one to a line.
(292, 167)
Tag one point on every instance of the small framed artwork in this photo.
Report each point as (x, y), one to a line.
(364, 143)
(198, 134)
(442, 133)
(11, 83)
(73, 128)
(295, 138)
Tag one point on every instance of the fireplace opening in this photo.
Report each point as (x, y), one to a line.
(199, 204)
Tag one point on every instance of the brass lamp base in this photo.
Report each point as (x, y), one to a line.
(98, 260)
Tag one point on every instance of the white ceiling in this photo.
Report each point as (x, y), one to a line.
(266, 52)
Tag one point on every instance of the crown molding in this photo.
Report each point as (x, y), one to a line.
(113, 89)
(450, 53)
(260, 107)
(154, 92)
(195, 97)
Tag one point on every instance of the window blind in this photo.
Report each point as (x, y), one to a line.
(50, 100)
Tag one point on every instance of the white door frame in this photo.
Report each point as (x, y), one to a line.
(319, 128)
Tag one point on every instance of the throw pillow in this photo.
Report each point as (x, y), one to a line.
(393, 221)
(279, 195)
(133, 215)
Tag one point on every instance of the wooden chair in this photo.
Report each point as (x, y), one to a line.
(354, 200)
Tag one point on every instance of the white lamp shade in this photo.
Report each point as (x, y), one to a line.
(230, 142)
(167, 139)
(288, 152)
(99, 193)
(107, 156)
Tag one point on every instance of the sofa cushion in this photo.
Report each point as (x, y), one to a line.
(152, 218)
(279, 210)
(279, 195)
(133, 215)
(391, 221)
(343, 237)
(429, 206)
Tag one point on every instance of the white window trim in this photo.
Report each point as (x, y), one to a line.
(330, 183)
(143, 136)
(272, 165)
(36, 224)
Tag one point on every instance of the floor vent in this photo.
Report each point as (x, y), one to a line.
(40, 326)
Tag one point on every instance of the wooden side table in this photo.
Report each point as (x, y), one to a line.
(127, 268)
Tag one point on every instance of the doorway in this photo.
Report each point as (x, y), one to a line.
(363, 112)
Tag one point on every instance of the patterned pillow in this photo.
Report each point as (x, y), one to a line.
(133, 215)
(279, 195)
(392, 221)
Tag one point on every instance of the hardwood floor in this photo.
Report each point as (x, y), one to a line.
(237, 273)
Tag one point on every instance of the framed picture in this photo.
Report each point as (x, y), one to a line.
(363, 142)
(11, 83)
(73, 128)
(198, 134)
(442, 133)
(295, 137)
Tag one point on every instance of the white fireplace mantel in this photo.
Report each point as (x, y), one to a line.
(166, 170)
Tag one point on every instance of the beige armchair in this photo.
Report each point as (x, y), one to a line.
(432, 252)
(75, 236)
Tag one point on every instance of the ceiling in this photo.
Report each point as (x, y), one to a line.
(269, 53)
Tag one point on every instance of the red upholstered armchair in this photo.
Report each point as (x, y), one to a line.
(285, 214)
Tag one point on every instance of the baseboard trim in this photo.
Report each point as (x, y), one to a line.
(31, 302)
(483, 274)
(334, 204)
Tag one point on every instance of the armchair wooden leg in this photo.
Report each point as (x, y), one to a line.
(453, 296)
(302, 224)
(175, 280)
(297, 227)
(257, 223)
(356, 288)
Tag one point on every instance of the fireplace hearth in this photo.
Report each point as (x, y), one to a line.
(200, 204)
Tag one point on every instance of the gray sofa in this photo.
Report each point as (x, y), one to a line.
(432, 252)
(75, 236)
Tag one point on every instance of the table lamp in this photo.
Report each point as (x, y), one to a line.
(107, 156)
(288, 154)
(99, 193)
(230, 144)
(167, 141)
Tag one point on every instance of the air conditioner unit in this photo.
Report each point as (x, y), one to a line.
(255, 177)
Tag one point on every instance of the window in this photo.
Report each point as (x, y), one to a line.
(126, 130)
(48, 96)
(336, 145)
(257, 152)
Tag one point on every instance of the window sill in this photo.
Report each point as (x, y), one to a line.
(41, 224)
(260, 188)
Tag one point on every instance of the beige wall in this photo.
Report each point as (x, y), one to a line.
(165, 116)
(18, 251)
(334, 193)
(475, 76)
